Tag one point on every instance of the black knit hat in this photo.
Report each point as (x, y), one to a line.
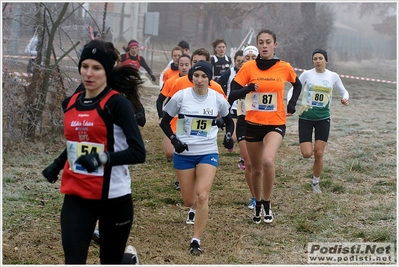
(183, 44)
(321, 51)
(203, 65)
(105, 59)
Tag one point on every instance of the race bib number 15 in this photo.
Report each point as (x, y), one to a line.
(200, 127)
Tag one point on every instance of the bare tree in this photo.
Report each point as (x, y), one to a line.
(299, 27)
(387, 13)
(38, 89)
(46, 88)
(217, 17)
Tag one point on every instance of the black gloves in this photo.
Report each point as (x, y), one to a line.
(90, 161)
(179, 146)
(228, 141)
(291, 107)
(153, 77)
(251, 87)
(140, 118)
(52, 171)
(220, 123)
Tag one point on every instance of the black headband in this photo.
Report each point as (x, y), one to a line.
(321, 51)
(204, 66)
(104, 58)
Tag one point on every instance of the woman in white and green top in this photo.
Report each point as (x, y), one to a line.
(318, 84)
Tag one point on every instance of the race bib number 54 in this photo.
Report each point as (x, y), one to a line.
(77, 149)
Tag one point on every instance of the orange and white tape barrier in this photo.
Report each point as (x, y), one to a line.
(358, 78)
(297, 69)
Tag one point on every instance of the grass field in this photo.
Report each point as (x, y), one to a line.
(358, 203)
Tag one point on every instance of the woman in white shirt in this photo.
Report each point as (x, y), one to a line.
(314, 114)
(195, 142)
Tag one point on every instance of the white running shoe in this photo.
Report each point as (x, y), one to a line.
(130, 256)
(316, 188)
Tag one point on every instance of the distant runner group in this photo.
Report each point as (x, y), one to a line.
(200, 95)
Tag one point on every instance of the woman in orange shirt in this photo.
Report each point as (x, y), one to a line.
(173, 67)
(262, 83)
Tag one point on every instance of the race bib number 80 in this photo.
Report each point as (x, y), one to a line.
(77, 149)
(318, 96)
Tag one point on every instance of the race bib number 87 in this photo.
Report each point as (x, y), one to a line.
(77, 149)
(261, 101)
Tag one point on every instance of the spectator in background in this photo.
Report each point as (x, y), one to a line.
(186, 50)
(132, 58)
(220, 61)
(31, 49)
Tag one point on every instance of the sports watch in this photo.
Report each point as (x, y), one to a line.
(103, 157)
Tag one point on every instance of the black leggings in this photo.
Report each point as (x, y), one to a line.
(78, 219)
(240, 128)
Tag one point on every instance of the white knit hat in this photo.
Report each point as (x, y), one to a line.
(250, 50)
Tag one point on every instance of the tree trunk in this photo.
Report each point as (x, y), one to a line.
(308, 11)
(199, 37)
(37, 103)
(211, 30)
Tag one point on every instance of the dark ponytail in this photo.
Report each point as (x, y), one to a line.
(127, 81)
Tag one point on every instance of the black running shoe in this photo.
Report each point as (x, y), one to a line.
(195, 248)
(177, 185)
(190, 217)
(256, 219)
(257, 213)
(267, 208)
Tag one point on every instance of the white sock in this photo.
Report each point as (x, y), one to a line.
(194, 238)
(192, 210)
(316, 180)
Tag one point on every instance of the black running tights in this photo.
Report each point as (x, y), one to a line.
(78, 219)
